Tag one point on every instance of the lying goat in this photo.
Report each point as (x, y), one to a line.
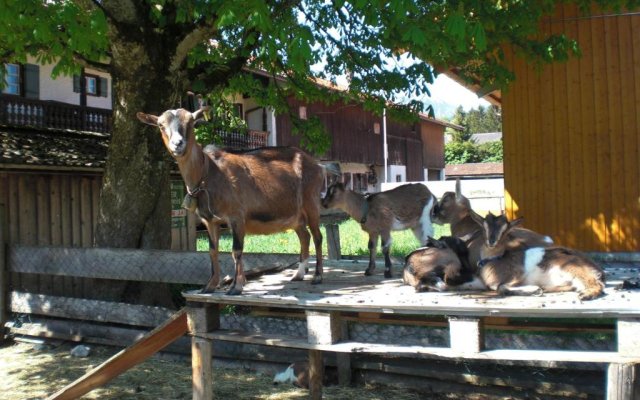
(407, 206)
(531, 270)
(260, 191)
(441, 265)
(455, 209)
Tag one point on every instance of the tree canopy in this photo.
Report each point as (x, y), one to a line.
(157, 49)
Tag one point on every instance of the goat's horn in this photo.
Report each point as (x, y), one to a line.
(196, 114)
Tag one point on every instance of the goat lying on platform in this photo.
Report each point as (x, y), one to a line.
(404, 207)
(441, 265)
(455, 209)
(260, 191)
(531, 270)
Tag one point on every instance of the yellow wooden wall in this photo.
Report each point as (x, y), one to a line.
(572, 136)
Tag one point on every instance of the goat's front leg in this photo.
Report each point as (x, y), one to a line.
(386, 247)
(213, 231)
(317, 241)
(373, 247)
(238, 245)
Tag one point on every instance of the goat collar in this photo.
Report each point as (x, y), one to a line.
(485, 261)
(365, 210)
(202, 185)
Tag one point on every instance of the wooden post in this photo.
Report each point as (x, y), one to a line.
(466, 334)
(322, 328)
(202, 318)
(4, 282)
(343, 360)
(629, 336)
(333, 241)
(623, 382)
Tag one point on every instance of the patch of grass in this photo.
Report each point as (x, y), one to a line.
(353, 241)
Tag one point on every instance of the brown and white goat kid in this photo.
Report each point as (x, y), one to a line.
(442, 265)
(404, 207)
(531, 270)
(455, 209)
(260, 191)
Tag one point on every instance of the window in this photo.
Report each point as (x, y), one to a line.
(91, 83)
(11, 79)
(398, 178)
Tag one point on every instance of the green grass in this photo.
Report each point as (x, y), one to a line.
(353, 241)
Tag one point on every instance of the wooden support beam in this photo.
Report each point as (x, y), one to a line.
(333, 242)
(343, 360)
(466, 334)
(322, 328)
(4, 283)
(203, 317)
(201, 353)
(316, 374)
(623, 381)
(629, 336)
(133, 355)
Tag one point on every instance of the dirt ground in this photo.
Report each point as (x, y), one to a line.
(33, 371)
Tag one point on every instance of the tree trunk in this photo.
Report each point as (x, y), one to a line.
(135, 209)
(134, 202)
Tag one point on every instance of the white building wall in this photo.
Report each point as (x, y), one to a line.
(99, 101)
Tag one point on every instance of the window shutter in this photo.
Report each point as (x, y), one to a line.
(76, 84)
(104, 83)
(32, 81)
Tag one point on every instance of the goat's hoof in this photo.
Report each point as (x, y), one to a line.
(317, 279)
(234, 292)
(387, 274)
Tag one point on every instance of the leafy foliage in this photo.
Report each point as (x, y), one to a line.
(462, 149)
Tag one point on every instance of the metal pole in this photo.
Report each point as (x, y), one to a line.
(385, 148)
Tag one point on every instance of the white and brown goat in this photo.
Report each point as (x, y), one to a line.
(259, 191)
(530, 270)
(404, 207)
(442, 265)
(455, 209)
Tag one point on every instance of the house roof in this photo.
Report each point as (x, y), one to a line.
(31, 147)
(472, 170)
(487, 137)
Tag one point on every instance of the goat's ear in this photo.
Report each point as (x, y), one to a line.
(147, 118)
(516, 222)
(200, 112)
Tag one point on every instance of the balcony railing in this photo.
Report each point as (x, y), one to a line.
(18, 111)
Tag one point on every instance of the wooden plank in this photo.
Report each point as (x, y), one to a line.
(629, 336)
(128, 264)
(150, 344)
(623, 381)
(535, 356)
(88, 310)
(56, 227)
(323, 327)
(333, 241)
(202, 372)
(203, 318)
(76, 212)
(43, 213)
(4, 284)
(629, 136)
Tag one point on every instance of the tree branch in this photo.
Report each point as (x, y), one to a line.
(190, 41)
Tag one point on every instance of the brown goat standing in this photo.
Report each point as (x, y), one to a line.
(261, 191)
(455, 209)
(404, 207)
(530, 270)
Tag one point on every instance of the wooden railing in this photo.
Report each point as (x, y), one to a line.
(18, 111)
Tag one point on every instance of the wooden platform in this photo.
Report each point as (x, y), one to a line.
(345, 290)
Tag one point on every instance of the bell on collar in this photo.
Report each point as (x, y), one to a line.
(190, 203)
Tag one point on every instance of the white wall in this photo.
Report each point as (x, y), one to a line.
(484, 194)
(396, 170)
(95, 101)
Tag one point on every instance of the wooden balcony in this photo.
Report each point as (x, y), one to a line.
(18, 111)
